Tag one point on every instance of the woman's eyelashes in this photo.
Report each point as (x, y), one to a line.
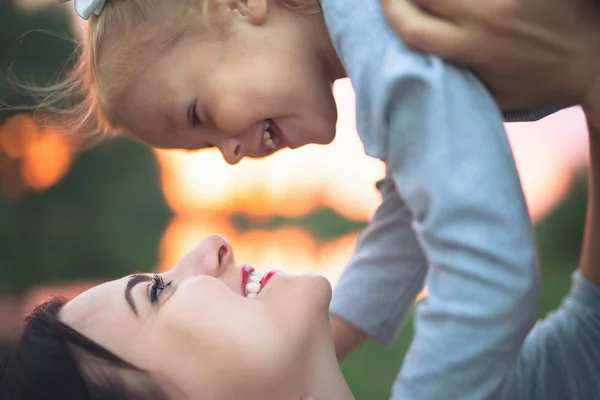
(157, 288)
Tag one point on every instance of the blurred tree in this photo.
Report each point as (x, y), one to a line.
(107, 215)
(560, 234)
(35, 46)
(104, 219)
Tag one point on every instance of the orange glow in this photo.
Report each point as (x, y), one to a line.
(203, 191)
(30, 157)
(543, 187)
(17, 135)
(290, 248)
(339, 176)
(289, 183)
(46, 161)
(36, 158)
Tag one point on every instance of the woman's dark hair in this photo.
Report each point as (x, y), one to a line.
(53, 361)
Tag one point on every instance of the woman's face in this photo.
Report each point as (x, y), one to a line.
(204, 334)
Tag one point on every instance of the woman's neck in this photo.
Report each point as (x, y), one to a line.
(325, 379)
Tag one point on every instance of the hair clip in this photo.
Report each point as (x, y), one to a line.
(85, 8)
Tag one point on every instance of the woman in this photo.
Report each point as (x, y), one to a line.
(213, 329)
(207, 329)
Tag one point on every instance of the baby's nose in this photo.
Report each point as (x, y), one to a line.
(232, 151)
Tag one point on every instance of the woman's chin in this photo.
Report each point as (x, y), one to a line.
(303, 293)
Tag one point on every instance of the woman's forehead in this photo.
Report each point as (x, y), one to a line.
(100, 303)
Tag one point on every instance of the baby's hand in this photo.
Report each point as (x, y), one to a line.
(528, 52)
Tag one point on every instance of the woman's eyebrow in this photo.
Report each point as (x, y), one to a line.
(133, 281)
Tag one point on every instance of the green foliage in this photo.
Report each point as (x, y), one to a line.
(560, 234)
(30, 48)
(104, 219)
(323, 223)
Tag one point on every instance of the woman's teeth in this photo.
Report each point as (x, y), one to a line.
(253, 285)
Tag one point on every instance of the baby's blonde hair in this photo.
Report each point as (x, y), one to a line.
(97, 80)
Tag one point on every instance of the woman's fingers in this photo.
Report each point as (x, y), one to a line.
(452, 10)
(424, 31)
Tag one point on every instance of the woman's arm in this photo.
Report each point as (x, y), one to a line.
(529, 53)
(590, 256)
(561, 357)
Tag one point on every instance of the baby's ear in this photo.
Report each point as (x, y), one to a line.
(253, 11)
(256, 10)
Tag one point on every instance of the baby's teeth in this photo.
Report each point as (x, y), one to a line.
(256, 277)
(253, 287)
(268, 141)
(251, 295)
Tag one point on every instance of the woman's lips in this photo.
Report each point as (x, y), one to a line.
(246, 271)
(266, 279)
(249, 278)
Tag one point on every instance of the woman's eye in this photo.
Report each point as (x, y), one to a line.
(157, 288)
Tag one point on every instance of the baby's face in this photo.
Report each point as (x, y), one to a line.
(262, 86)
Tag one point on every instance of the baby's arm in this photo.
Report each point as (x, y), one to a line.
(452, 162)
(561, 357)
(379, 286)
(441, 135)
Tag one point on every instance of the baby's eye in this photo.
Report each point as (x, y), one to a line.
(193, 115)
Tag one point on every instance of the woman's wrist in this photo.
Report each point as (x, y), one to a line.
(591, 99)
(591, 106)
(590, 255)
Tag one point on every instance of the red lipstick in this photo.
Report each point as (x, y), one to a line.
(245, 275)
(266, 279)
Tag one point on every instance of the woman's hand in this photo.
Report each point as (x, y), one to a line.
(528, 52)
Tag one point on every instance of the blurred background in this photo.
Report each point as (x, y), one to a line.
(70, 218)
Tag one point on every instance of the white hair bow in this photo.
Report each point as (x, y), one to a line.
(85, 8)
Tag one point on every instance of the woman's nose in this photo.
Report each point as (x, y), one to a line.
(213, 256)
(232, 150)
